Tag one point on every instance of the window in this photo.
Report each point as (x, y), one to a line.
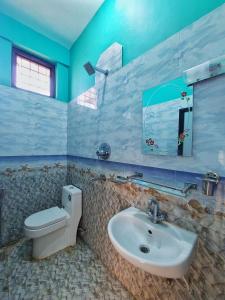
(88, 98)
(32, 74)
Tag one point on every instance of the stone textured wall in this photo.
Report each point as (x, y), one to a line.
(28, 188)
(101, 200)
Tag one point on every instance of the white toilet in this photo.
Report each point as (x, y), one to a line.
(55, 228)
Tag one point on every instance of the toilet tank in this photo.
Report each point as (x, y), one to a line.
(72, 200)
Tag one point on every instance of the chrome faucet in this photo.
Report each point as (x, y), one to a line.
(154, 213)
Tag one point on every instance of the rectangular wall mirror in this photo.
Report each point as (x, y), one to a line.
(167, 119)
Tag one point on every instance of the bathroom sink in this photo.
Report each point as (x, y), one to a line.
(160, 249)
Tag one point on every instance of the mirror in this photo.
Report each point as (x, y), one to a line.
(167, 119)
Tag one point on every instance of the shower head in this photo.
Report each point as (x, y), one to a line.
(91, 69)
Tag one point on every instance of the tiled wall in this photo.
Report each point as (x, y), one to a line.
(118, 119)
(28, 127)
(30, 185)
(31, 124)
(101, 200)
(33, 148)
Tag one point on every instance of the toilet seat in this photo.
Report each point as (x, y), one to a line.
(45, 218)
(45, 221)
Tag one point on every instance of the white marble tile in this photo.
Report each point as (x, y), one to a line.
(118, 119)
(31, 124)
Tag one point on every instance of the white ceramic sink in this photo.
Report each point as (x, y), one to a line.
(160, 249)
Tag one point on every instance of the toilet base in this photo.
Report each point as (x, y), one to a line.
(51, 243)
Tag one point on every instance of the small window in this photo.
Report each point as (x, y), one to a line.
(32, 74)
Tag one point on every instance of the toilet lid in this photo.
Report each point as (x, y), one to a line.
(45, 218)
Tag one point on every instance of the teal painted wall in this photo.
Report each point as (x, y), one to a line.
(15, 33)
(136, 24)
(62, 82)
(165, 92)
(5, 61)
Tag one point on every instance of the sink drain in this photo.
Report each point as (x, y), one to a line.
(144, 249)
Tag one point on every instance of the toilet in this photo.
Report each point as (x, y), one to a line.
(55, 228)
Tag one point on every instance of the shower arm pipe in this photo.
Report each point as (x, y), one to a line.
(105, 72)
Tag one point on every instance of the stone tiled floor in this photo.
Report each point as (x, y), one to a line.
(73, 274)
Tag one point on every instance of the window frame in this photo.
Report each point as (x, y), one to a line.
(18, 52)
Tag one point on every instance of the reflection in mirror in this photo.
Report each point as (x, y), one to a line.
(167, 119)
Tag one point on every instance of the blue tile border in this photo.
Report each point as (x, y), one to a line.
(150, 173)
(15, 161)
(114, 163)
(32, 158)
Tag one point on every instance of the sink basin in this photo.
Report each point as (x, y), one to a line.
(160, 249)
